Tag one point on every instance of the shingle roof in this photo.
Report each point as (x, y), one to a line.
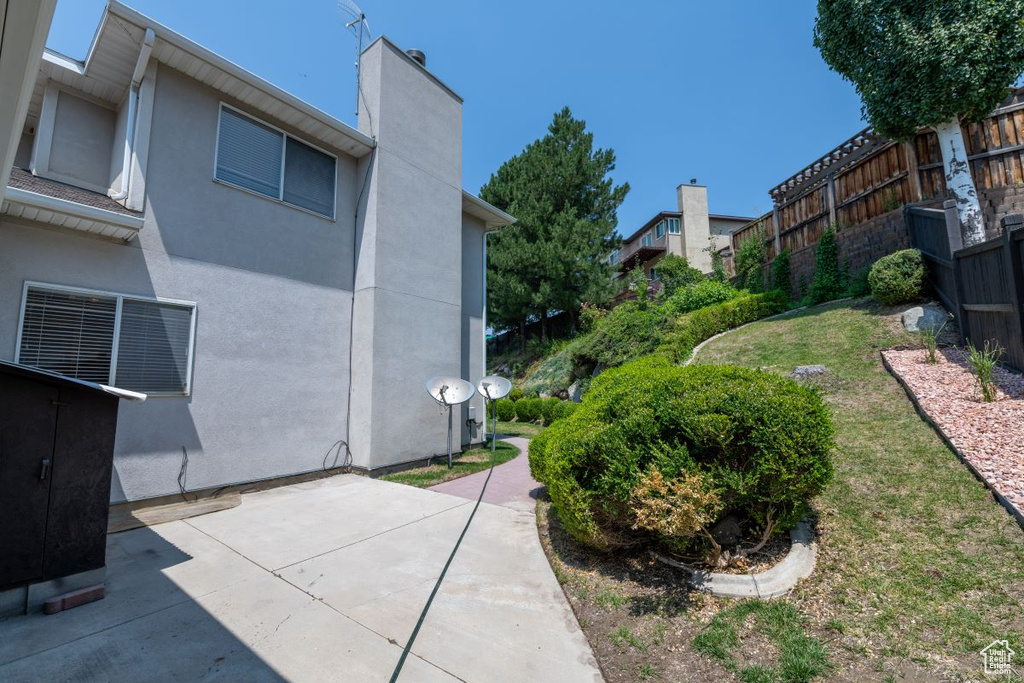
(23, 180)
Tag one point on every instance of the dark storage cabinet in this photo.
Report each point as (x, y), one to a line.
(56, 455)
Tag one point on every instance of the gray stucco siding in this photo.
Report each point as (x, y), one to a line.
(473, 230)
(82, 142)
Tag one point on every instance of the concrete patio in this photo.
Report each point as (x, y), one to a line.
(316, 581)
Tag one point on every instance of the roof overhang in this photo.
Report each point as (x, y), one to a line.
(41, 208)
(107, 70)
(492, 216)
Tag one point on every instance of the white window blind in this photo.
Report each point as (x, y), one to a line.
(68, 333)
(249, 154)
(83, 334)
(152, 349)
(260, 158)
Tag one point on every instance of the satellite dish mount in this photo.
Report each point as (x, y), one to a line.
(449, 392)
(492, 388)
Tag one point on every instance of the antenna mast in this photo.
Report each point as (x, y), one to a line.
(359, 28)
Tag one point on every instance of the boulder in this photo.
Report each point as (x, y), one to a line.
(574, 393)
(930, 316)
(802, 371)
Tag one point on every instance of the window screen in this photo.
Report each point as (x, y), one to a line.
(152, 350)
(249, 154)
(72, 334)
(309, 178)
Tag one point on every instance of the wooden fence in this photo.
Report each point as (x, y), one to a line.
(867, 176)
(983, 284)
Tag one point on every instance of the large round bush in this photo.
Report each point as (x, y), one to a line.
(506, 409)
(529, 409)
(700, 295)
(897, 278)
(736, 441)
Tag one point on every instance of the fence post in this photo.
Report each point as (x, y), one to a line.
(1014, 269)
(913, 173)
(956, 239)
(830, 192)
(775, 228)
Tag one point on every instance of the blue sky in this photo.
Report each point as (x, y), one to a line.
(730, 92)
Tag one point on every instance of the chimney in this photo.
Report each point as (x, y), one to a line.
(418, 57)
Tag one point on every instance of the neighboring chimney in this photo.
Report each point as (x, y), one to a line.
(693, 205)
(418, 57)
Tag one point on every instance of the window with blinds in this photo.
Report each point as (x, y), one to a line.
(257, 157)
(136, 344)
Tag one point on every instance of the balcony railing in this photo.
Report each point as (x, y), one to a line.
(629, 252)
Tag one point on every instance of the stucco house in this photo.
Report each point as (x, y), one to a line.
(277, 282)
(684, 232)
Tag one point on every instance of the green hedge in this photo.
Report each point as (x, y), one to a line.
(529, 409)
(700, 295)
(627, 332)
(761, 442)
(693, 328)
(897, 278)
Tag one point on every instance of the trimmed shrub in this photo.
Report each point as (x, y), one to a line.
(506, 409)
(700, 295)
(564, 410)
(858, 284)
(723, 440)
(529, 409)
(695, 327)
(515, 394)
(897, 278)
(629, 331)
(780, 274)
(548, 408)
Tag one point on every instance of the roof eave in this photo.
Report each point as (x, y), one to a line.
(492, 216)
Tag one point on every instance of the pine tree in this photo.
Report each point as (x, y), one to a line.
(555, 256)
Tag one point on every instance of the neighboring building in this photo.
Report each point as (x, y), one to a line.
(276, 281)
(686, 232)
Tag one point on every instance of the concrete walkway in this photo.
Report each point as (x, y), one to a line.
(321, 581)
(511, 485)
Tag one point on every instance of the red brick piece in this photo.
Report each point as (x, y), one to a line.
(82, 596)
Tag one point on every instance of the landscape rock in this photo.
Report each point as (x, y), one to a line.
(808, 371)
(727, 532)
(575, 392)
(929, 316)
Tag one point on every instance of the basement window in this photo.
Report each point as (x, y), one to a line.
(255, 156)
(125, 341)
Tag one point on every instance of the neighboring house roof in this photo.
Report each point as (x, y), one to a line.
(677, 214)
(492, 216)
(107, 70)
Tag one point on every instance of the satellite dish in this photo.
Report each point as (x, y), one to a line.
(450, 391)
(360, 29)
(494, 387)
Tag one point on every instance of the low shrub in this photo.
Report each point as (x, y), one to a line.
(548, 408)
(897, 278)
(515, 394)
(658, 452)
(693, 328)
(529, 409)
(858, 285)
(629, 331)
(676, 273)
(828, 282)
(563, 410)
(506, 409)
(700, 295)
(781, 275)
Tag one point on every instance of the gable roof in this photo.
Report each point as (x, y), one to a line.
(107, 70)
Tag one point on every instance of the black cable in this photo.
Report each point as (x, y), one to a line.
(348, 455)
(183, 474)
(426, 608)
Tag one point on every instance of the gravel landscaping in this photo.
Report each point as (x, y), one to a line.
(988, 435)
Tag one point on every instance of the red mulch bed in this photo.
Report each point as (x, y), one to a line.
(989, 435)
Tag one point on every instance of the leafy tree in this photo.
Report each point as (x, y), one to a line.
(828, 282)
(675, 273)
(555, 256)
(934, 63)
(750, 256)
(717, 262)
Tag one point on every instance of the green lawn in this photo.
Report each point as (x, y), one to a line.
(470, 461)
(524, 429)
(918, 567)
(916, 561)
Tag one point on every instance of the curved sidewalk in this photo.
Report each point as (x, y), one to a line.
(511, 484)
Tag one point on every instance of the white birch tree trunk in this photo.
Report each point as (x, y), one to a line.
(960, 182)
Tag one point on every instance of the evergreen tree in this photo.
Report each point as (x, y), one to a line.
(555, 256)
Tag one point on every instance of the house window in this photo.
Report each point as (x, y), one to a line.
(647, 240)
(129, 342)
(265, 160)
(659, 230)
(673, 226)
